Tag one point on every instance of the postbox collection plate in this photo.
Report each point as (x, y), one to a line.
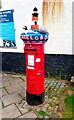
(31, 60)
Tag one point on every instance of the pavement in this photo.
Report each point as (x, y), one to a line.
(13, 98)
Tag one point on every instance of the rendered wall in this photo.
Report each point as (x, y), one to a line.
(60, 66)
(60, 33)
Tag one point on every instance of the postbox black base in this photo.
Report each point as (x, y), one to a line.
(34, 99)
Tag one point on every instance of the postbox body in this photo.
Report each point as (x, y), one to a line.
(34, 53)
(34, 40)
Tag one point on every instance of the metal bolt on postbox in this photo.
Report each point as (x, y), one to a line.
(34, 40)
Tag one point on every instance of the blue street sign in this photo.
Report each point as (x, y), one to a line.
(7, 32)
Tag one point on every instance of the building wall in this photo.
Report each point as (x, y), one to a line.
(59, 57)
(60, 33)
(60, 66)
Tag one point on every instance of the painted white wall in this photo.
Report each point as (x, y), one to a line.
(60, 34)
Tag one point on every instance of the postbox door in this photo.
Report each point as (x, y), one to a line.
(35, 71)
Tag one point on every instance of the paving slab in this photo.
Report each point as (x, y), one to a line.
(0, 82)
(14, 88)
(0, 77)
(22, 84)
(17, 96)
(10, 111)
(15, 80)
(0, 73)
(0, 116)
(5, 83)
(22, 106)
(22, 93)
(3, 92)
(23, 77)
(0, 92)
(11, 98)
(0, 104)
(0, 109)
(29, 115)
(6, 77)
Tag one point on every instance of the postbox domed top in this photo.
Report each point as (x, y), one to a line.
(32, 36)
(35, 35)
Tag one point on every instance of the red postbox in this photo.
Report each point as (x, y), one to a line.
(34, 51)
(34, 72)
